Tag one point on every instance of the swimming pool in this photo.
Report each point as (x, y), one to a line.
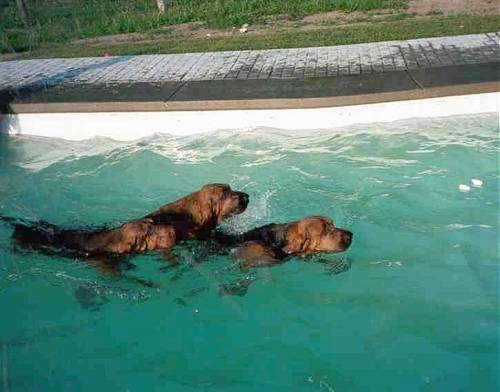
(417, 309)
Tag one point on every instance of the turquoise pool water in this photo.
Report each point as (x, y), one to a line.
(416, 311)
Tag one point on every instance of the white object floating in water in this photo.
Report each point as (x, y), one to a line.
(464, 188)
(476, 183)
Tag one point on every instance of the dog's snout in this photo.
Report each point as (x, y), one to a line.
(347, 237)
(244, 198)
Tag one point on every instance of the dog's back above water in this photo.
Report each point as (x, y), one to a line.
(132, 237)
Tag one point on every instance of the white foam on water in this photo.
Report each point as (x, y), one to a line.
(257, 213)
(476, 183)
(464, 188)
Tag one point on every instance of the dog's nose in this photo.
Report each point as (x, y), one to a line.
(243, 198)
(347, 237)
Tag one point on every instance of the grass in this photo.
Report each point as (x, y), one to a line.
(59, 21)
(369, 32)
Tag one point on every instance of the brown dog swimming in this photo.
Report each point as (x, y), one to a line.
(198, 213)
(189, 217)
(275, 243)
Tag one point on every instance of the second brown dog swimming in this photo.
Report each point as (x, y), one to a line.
(136, 236)
(275, 243)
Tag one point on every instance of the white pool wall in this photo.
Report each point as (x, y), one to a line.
(126, 126)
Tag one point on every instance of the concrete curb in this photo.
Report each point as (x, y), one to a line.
(259, 94)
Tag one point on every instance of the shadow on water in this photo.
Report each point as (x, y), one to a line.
(7, 152)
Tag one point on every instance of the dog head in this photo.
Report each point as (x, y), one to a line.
(219, 201)
(144, 234)
(160, 237)
(315, 234)
(137, 236)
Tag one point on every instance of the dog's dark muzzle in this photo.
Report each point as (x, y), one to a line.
(346, 238)
(243, 199)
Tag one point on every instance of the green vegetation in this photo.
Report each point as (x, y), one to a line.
(58, 21)
(394, 30)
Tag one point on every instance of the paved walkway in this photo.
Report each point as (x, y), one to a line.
(303, 63)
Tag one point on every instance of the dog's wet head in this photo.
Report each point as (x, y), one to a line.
(316, 234)
(223, 201)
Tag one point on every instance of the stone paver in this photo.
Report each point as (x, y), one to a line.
(299, 63)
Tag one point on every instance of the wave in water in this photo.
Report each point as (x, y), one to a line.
(265, 145)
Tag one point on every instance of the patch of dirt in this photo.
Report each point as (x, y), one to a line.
(341, 16)
(453, 7)
(183, 29)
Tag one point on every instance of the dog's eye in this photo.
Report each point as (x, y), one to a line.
(226, 193)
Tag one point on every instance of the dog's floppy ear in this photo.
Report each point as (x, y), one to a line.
(326, 222)
(215, 208)
(297, 238)
(214, 201)
(207, 206)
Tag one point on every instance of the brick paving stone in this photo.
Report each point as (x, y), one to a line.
(332, 61)
(295, 63)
